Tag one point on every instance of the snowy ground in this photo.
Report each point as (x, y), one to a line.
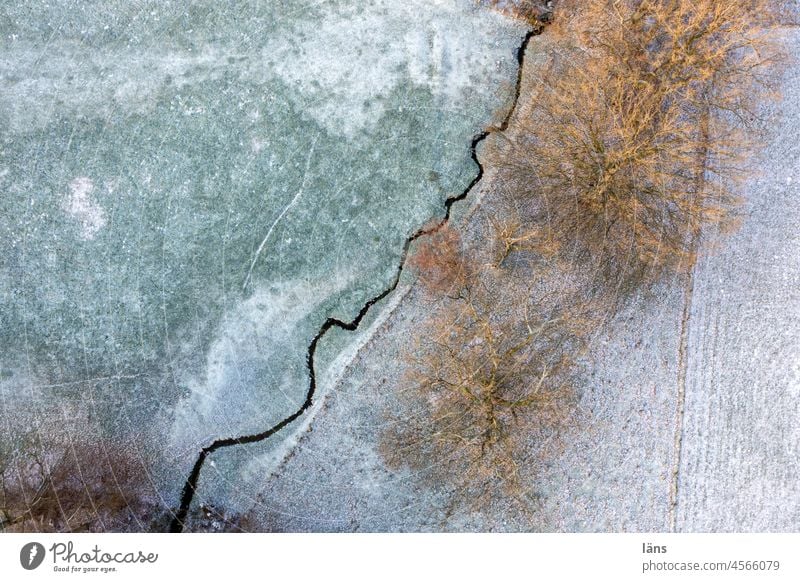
(740, 460)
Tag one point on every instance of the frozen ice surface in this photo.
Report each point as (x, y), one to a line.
(190, 189)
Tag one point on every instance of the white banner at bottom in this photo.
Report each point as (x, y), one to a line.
(374, 557)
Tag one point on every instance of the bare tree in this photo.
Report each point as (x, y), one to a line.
(57, 481)
(438, 261)
(642, 126)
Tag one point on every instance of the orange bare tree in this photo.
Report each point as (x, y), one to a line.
(490, 368)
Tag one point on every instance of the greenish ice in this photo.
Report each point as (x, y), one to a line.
(188, 190)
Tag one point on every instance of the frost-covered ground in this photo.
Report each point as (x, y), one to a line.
(190, 189)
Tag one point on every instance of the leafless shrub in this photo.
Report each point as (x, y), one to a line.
(511, 234)
(74, 484)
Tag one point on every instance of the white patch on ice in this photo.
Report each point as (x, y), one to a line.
(81, 207)
(340, 68)
(131, 83)
(257, 144)
(354, 57)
